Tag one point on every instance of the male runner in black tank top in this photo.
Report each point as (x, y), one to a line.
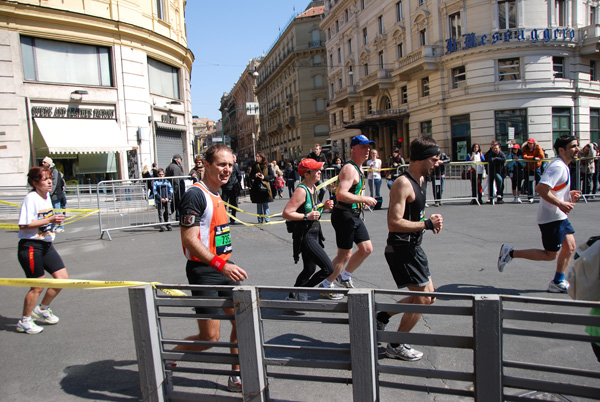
(407, 223)
(346, 216)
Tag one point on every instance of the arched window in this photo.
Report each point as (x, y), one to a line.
(385, 103)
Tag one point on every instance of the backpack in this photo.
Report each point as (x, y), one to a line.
(583, 274)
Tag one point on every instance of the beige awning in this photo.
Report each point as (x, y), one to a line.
(78, 136)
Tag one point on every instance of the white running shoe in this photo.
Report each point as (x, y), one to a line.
(332, 296)
(504, 257)
(560, 287)
(46, 315)
(403, 352)
(234, 384)
(29, 327)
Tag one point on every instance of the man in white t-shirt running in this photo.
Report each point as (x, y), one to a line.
(557, 200)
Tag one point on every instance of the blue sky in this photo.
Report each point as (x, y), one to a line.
(224, 36)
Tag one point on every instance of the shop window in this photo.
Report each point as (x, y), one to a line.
(460, 128)
(508, 70)
(65, 63)
(459, 77)
(164, 79)
(511, 124)
(561, 122)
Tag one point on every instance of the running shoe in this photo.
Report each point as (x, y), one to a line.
(560, 287)
(29, 327)
(403, 352)
(504, 257)
(46, 315)
(332, 296)
(234, 384)
(344, 284)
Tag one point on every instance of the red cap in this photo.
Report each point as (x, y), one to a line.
(531, 141)
(516, 146)
(308, 164)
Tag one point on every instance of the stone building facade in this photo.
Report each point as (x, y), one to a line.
(241, 125)
(462, 71)
(101, 87)
(292, 91)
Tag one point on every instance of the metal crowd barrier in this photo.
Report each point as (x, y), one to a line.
(124, 204)
(336, 342)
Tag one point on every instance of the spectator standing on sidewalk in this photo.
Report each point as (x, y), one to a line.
(58, 195)
(515, 165)
(587, 168)
(347, 213)
(596, 169)
(174, 170)
(198, 170)
(438, 178)
(533, 155)
(374, 176)
(206, 244)
(496, 173)
(36, 254)
(477, 173)
(557, 201)
(289, 174)
(163, 197)
(231, 190)
(396, 162)
(403, 253)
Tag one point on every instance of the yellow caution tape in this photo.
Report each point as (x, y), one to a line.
(81, 284)
(79, 214)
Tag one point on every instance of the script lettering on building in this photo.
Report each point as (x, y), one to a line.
(536, 35)
(72, 112)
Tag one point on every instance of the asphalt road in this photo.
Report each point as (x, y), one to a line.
(90, 355)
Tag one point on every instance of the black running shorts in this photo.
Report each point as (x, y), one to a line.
(408, 264)
(349, 228)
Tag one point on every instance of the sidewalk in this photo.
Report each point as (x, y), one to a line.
(90, 354)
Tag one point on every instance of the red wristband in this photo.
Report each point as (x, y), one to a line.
(217, 263)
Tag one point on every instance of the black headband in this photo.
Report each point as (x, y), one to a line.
(428, 152)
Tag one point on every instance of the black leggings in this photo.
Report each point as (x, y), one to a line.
(312, 255)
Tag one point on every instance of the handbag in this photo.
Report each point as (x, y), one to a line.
(262, 188)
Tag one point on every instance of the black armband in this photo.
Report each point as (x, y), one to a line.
(429, 224)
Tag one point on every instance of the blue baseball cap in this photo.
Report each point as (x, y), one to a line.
(360, 140)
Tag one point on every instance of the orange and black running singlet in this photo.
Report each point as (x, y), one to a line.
(214, 225)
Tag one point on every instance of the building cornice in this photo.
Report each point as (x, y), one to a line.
(51, 23)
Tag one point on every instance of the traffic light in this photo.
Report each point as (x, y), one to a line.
(399, 142)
